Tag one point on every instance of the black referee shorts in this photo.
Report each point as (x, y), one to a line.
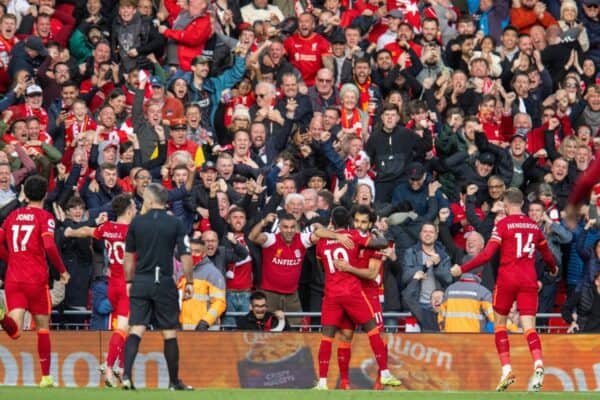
(154, 302)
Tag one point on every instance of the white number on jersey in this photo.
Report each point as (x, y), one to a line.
(339, 253)
(20, 237)
(525, 248)
(115, 252)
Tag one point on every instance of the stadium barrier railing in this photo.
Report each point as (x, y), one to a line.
(393, 321)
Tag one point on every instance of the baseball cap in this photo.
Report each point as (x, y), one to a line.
(178, 123)
(208, 165)
(518, 135)
(155, 81)
(203, 58)
(486, 158)
(591, 2)
(33, 89)
(395, 14)
(416, 171)
(36, 44)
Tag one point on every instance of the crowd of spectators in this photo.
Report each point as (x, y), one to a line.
(259, 117)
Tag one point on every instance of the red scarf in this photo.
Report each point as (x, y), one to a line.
(354, 122)
(365, 96)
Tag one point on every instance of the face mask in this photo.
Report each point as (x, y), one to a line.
(196, 259)
(547, 203)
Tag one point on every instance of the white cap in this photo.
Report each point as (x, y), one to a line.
(33, 89)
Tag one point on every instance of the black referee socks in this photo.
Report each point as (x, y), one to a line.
(131, 349)
(171, 351)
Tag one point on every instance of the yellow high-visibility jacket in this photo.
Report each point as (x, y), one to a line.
(208, 302)
(466, 307)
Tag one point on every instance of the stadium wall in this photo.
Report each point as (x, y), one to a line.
(288, 360)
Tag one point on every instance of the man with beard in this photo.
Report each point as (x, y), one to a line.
(383, 66)
(59, 110)
(239, 271)
(369, 95)
(53, 80)
(308, 51)
(178, 140)
(404, 44)
(394, 18)
(274, 62)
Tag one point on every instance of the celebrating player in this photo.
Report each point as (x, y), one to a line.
(517, 237)
(114, 234)
(344, 297)
(28, 234)
(368, 269)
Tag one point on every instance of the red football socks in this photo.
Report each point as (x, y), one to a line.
(10, 327)
(343, 354)
(379, 349)
(43, 339)
(324, 356)
(116, 346)
(535, 345)
(502, 344)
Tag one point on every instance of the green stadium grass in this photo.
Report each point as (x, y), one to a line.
(250, 394)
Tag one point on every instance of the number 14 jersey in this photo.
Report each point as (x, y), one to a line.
(518, 237)
(338, 283)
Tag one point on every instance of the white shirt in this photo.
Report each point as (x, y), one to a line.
(251, 14)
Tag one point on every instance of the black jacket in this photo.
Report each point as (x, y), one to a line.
(391, 153)
(250, 323)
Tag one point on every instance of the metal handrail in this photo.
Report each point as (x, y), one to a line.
(302, 327)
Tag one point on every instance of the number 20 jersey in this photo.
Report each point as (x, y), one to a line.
(338, 283)
(114, 235)
(518, 237)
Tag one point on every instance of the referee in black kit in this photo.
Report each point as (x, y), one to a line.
(153, 237)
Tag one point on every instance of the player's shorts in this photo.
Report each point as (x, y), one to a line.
(117, 295)
(377, 310)
(345, 312)
(34, 298)
(154, 302)
(506, 293)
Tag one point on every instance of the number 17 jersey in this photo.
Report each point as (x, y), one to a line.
(518, 237)
(114, 235)
(338, 283)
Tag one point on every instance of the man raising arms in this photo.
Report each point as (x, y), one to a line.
(26, 239)
(517, 237)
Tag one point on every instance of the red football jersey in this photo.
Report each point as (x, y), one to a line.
(114, 235)
(370, 286)
(282, 262)
(242, 270)
(338, 282)
(23, 230)
(305, 54)
(518, 237)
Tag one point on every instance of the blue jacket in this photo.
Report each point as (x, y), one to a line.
(214, 86)
(419, 200)
(101, 307)
(586, 248)
(575, 264)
